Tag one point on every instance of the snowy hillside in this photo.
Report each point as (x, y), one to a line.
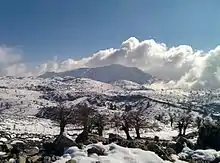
(27, 105)
(27, 95)
(107, 74)
(129, 85)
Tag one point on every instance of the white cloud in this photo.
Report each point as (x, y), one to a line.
(10, 58)
(181, 66)
(9, 55)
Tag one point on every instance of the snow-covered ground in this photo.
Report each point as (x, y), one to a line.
(113, 154)
(22, 98)
(117, 154)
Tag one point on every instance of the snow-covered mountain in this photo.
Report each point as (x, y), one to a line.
(107, 74)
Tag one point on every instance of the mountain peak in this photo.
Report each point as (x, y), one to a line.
(107, 74)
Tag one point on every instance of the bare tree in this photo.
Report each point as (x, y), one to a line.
(85, 117)
(99, 122)
(171, 118)
(184, 120)
(138, 118)
(199, 122)
(138, 121)
(63, 115)
(123, 121)
(188, 121)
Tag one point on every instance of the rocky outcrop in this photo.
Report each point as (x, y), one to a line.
(30, 148)
(97, 150)
(180, 144)
(209, 135)
(159, 151)
(88, 138)
(59, 145)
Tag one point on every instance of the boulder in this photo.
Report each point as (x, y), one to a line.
(32, 151)
(82, 137)
(59, 145)
(4, 147)
(97, 150)
(54, 158)
(138, 143)
(22, 158)
(180, 144)
(209, 135)
(169, 151)
(34, 159)
(172, 144)
(115, 138)
(156, 138)
(12, 160)
(217, 160)
(71, 161)
(87, 138)
(47, 159)
(159, 151)
(191, 135)
(5, 135)
(92, 139)
(17, 147)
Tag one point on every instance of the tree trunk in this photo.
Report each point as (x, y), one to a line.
(126, 130)
(184, 130)
(171, 122)
(62, 128)
(180, 129)
(137, 130)
(100, 131)
(85, 126)
(199, 121)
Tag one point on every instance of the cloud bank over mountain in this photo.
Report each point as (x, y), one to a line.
(179, 66)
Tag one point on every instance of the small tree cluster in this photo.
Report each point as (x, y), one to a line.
(99, 123)
(184, 119)
(131, 118)
(82, 115)
(63, 116)
(90, 119)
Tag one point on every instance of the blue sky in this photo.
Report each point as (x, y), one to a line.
(77, 28)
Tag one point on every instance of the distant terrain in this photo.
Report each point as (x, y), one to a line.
(28, 106)
(107, 74)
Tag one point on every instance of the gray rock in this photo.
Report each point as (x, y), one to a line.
(34, 159)
(47, 159)
(22, 159)
(96, 149)
(61, 143)
(82, 137)
(180, 144)
(159, 151)
(115, 138)
(169, 151)
(32, 151)
(71, 161)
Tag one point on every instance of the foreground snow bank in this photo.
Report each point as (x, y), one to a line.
(203, 155)
(113, 154)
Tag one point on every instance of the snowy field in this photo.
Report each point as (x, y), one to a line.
(22, 98)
